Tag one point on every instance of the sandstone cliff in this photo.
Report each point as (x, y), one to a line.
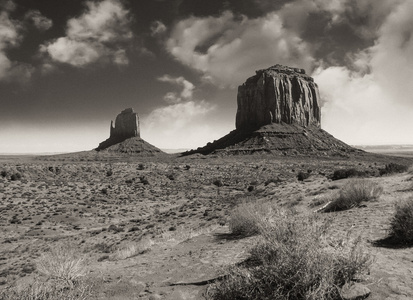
(278, 94)
(278, 113)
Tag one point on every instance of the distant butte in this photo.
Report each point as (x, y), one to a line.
(279, 113)
(125, 136)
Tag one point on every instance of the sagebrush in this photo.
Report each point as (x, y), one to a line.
(353, 193)
(63, 263)
(294, 260)
(401, 226)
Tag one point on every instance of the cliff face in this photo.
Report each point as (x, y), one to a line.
(275, 95)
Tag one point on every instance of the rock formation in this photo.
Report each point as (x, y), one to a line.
(278, 94)
(278, 113)
(126, 125)
(125, 136)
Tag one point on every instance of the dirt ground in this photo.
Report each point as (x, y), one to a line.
(157, 228)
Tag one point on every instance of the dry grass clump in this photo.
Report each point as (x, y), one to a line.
(132, 250)
(353, 193)
(247, 218)
(401, 226)
(63, 263)
(47, 291)
(293, 260)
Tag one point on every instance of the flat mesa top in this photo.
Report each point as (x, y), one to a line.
(127, 111)
(278, 70)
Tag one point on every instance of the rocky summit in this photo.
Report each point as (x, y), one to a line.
(125, 136)
(278, 113)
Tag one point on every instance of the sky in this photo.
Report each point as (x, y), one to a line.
(68, 67)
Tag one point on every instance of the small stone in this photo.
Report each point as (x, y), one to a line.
(155, 297)
(354, 291)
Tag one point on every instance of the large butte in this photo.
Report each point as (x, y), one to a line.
(278, 113)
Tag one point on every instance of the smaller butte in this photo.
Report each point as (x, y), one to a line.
(125, 136)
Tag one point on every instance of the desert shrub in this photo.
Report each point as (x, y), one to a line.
(353, 193)
(171, 176)
(109, 172)
(217, 182)
(401, 226)
(293, 260)
(15, 176)
(3, 173)
(393, 168)
(144, 180)
(247, 218)
(63, 263)
(47, 291)
(346, 173)
(301, 176)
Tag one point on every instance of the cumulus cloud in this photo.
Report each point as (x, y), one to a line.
(182, 121)
(226, 48)
(10, 36)
(100, 33)
(374, 104)
(39, 21)
(185, 94)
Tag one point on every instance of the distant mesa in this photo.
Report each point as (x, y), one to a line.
(125, 136)
(278, 112)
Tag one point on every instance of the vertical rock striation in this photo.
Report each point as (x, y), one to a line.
(278, 94)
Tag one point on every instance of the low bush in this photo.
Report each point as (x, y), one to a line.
(301, 176)
(353, 193)
(401, 226)
(393, 168)
(63, 263)
(15, 176)
(247, 218)
(346, 173)
(293, 260)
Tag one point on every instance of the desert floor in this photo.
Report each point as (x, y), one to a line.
(157, 228)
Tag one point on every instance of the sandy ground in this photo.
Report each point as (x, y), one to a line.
(158, 228)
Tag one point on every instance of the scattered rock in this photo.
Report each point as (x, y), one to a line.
(354, 291)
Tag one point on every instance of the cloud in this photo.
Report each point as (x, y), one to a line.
(10, 36)
(39, 21)
(182, 122)
(227, 48)
(180, 125)
(373, 104)
(392, 54)
(157, 28)
(99, 34)
(187, 89)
